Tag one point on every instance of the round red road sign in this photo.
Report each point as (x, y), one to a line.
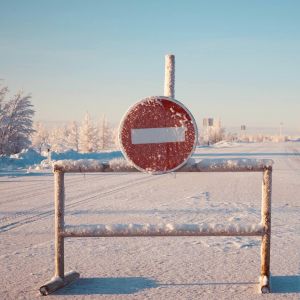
(158, 134)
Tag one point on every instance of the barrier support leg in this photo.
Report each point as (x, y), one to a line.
(266, 238)
(59, 204)
(60, 279)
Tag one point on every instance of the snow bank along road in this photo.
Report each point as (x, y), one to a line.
(162, 267)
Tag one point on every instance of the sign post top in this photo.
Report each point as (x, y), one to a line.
(158, 134)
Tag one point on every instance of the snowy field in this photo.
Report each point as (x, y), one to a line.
(160, 267)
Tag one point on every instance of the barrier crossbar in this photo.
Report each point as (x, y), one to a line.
(63, 231)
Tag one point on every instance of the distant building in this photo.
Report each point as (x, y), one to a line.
(212, 130)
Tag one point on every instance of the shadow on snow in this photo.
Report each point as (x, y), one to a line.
(285, 284)
(131, 285)
(108, 286)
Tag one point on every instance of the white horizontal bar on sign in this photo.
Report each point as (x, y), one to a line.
(157, 135)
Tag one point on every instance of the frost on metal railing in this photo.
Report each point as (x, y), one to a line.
(203, 229)
(203, 165)
(227, 165)
(63, 231)
(93, 165)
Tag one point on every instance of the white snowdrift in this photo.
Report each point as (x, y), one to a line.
(74, 155)
(24, 159)
(225, 144)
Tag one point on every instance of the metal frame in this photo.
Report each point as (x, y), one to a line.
(63, 231)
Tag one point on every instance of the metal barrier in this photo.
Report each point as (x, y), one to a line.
(63, 231)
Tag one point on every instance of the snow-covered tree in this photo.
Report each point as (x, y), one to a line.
(40, 138)
(57, 139)
(116, 141)
(105, 135)
(87, 135)
(72, 138)
(217, 134)
(213, 132)
(84, 138)
(3, 92)
(15, 122)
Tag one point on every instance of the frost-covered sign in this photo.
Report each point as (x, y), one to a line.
(158, 134)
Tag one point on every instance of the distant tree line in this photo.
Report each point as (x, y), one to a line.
(87, 136)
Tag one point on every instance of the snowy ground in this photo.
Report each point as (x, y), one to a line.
(161, 267)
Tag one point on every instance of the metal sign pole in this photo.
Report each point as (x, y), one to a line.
(169, 76)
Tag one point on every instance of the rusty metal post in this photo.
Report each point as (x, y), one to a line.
(169, 75)
(266, 238)
(60, 279)
(59, 199)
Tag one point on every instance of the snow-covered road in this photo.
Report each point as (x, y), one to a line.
(155, 268)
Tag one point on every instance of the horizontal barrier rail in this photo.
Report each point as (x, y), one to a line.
(204, 165)
(150, 230)
(63, 231)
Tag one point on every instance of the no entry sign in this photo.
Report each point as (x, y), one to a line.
(158, 134)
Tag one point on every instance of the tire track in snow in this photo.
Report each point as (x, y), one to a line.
(51, 191)
(48, 213)
(50, 188)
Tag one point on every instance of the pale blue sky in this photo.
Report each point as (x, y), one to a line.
(239, 60)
